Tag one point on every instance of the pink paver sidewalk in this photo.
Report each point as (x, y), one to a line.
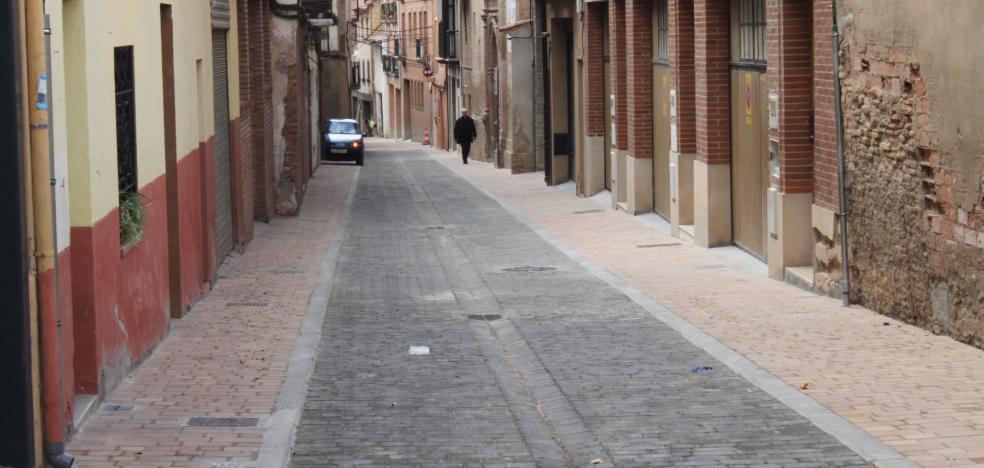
(228, 357)
(919, 393)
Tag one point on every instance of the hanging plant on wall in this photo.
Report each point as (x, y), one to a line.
(132, 217)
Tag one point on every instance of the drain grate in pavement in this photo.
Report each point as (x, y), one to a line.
(435, 228)
(223, 422)
(529, 268)
(599, 210)
(711, 267)
(117, 408)
(651, 246)
(247, 304)
(487, 317)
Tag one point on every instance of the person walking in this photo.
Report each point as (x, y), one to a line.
(372, 127)
(465, 133)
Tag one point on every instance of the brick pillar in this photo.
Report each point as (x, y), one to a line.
(261, 108)
(790, 77)
(595, 99)
(825, 185)
(712, 170)
(682, 71)
(594, 57)
(616, 37)
(619, 87)
(681, 36)
(244, 155)
(639, 105)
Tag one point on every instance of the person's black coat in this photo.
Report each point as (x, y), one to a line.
(464, 130)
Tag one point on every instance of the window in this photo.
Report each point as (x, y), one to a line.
(751, 31)
(342, 128)
(126, 130)
(661, 51)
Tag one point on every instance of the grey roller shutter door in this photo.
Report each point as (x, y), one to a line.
(223, 166)
(221, 14)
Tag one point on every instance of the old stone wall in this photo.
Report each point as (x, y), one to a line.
(914, 143)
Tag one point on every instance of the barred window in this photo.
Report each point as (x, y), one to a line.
(751, 31)
(661, 28)
(126, 129)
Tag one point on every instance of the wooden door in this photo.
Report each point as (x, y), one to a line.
(750, 162)
(661, 139)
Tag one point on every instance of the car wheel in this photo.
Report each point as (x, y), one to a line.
(359, 161)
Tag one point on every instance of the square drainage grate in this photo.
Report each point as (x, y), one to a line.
(223, 422)
(600, 210)
(117, 408)
(247, 304)
(653, 246)
(487, 317)
(529, 269)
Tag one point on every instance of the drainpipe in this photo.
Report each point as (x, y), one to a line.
(43, 187)
(841, 179)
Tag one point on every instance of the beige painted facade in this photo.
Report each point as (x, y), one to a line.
(92, 29)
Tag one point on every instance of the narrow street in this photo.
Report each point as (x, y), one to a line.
(531, 360)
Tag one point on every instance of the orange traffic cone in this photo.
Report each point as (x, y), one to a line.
(427, 137)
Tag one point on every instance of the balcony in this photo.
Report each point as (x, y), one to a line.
(448, 46)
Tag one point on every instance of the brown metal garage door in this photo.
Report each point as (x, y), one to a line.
(223, 171)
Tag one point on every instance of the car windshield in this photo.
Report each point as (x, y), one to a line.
(344, 128)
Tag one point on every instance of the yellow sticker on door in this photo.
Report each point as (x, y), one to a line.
(748, 98)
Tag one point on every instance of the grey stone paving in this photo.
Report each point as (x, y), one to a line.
(573, 371)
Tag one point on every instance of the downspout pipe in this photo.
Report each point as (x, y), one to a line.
(841, 178)
(43, 186)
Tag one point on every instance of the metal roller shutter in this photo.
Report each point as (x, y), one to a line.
(223, 167)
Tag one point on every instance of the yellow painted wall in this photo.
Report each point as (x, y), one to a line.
(93, 28)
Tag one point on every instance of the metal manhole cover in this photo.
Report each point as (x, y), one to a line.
(529, 269)
(650, 246)
(223, 422)
(488, 317)
(247, 304)
(117, 407)
(600, 210)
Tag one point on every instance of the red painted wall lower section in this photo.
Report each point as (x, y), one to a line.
(66, 340)
(120, 296)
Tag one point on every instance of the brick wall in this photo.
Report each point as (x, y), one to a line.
(712, 78)
(261, 107)
(682, 72)
(825, 186)
(616, 38)
(245, 197)
(790, 75)
(594, 57)
(639, 77)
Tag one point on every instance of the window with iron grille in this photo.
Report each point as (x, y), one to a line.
(126, 129)
(751, 31)
(661, 51)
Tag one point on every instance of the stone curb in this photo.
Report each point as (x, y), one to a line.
(281, 428)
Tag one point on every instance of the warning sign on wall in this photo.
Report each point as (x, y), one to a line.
(748, 98)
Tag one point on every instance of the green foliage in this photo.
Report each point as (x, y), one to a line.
(133, 217)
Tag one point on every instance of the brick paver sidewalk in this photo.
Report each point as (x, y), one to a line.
(227, 357)
(919, 393)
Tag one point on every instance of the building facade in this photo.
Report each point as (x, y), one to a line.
(166, 129)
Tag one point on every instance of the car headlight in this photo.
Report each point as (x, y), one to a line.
(355, 144)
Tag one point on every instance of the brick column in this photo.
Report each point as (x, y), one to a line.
(825, 183)
(681, 36)
(619, 87)
(790, 68)
(712, 169)
(594, 98)
(639, 106)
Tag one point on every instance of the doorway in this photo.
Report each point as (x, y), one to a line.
(171, 164)
(749, 131)
(661, 108)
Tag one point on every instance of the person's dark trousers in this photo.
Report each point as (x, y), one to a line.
(465, 149)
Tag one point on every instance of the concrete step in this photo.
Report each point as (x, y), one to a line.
(800, 276)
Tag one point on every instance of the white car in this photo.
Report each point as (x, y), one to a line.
(343, 141)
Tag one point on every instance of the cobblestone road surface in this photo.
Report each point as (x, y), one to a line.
(533, 360)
